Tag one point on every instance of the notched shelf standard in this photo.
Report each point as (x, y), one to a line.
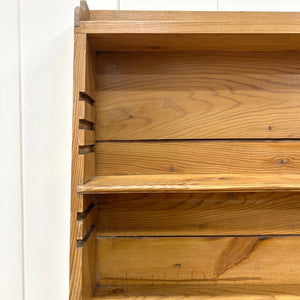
(186, 155)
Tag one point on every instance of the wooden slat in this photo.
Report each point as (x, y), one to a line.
(204, 42)
(86, 112)
(86, 137)
(75, 286)
(197, 157)
(82, 260)
(204, 16)
(90, 70)
(192, 95)
(194, 292)
(88, 163)
(198, 214)
(200, 23)
(85, 222)
(182, 183)
(88, 269)
(194, 260)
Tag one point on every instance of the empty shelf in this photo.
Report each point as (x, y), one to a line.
(190, 183)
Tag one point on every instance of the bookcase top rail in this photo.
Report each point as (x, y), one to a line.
(184, 22)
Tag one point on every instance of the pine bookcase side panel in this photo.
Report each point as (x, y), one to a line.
(82, 256)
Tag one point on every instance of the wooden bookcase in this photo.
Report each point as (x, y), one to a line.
(186, 155)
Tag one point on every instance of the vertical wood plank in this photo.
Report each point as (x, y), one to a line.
(83, 167)
(103, 4)
(11, 256)
(258, 5)
(169, 5)
(75, 288)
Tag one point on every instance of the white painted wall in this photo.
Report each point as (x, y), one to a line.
(11, 251)
(35, 129)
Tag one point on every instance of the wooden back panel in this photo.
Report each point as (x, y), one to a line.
(198, 239)
(197, 157)
(197, 95)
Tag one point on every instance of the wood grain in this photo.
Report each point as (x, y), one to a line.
(203, 42)
(202, 22)
(194, 292)
(88, 269)
(82, 261)
(82, 13)
(198, 214)
(204, 16)
(190, 260)
(178, 246)
(182, 183)
(197, 95)
(198, 157)
(86, 112)
(88, 165)
(86, 137)
(215, 41)
(75, 284)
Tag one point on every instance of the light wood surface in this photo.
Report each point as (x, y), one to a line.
(203, 42)
(82, 13)
(194, 292)
(206, 260)
(86, 137)
(193, 95)
(88, 165)
(87, 264)
(203, 16)
(151, 127)
(86, 112)
(82, 260)
(202, 22)
(198, 157)
(198, 214)
(171, 183)
(75, 285)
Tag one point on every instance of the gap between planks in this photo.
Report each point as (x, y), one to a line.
(262, 236)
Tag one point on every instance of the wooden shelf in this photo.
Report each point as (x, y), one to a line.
(228, 291)
(190, 22)
(190, 183)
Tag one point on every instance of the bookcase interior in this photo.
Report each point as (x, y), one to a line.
(188, 145)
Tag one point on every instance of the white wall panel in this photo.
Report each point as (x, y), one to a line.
(11, 256)
(259, 5)
(46, 70)
(169, 5)
(47, 78)
(102, 4)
